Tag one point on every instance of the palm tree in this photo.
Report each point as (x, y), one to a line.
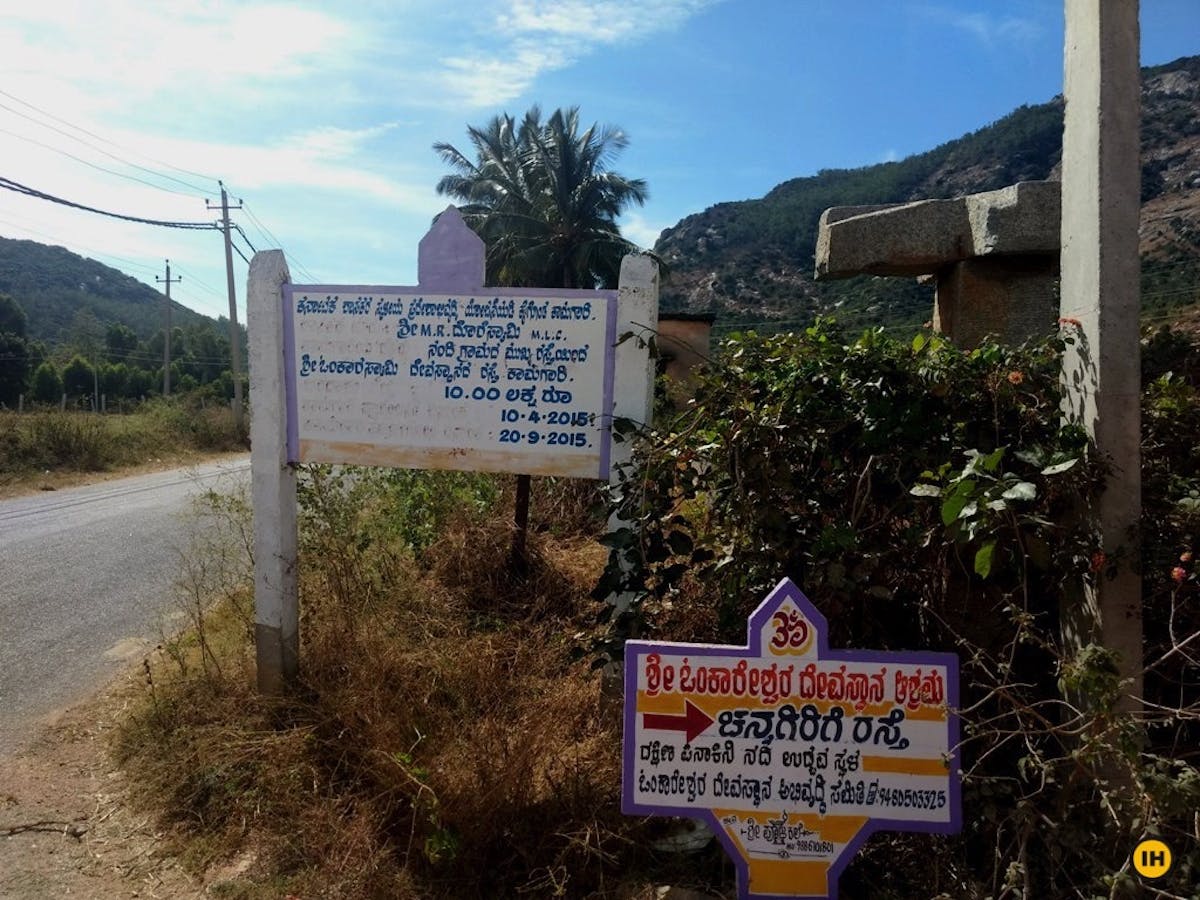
(541, 196)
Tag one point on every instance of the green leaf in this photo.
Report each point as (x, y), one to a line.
(1060, 467)
(991, 462)
(925, 490)
(983, 559)
(956, 500)
(919, 343)
(1022, 490)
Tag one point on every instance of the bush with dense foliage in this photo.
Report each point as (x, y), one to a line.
(928, 498)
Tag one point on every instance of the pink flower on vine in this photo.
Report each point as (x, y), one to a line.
(1015, 377)
(1070, 320)
(1185, 556)
(1178, 574)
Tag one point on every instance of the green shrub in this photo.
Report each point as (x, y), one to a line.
(927, 498)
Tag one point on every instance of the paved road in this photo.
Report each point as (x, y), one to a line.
(86, 579)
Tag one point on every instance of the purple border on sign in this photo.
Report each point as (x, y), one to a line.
(787, 590)
(289, 377)
(609, 297)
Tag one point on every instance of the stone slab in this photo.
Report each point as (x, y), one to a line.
(922, 237)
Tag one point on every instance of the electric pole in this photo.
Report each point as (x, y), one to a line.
(235, 352)
(167, 329)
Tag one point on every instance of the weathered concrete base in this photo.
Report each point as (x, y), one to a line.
(277, 657)
(1011, 299)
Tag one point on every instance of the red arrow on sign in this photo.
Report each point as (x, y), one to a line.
(692, 723)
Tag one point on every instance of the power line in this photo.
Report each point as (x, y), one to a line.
(105, 140)
(92, 165)
(10, 185)
(194, 280)
(266, 233)
(238, 228)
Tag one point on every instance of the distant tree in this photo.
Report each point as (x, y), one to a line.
(119, 341)
(14, 351)
(113, 379)
(78, 377)
(47, 383)
(87, 335)
(38, 354)
(142, 383)
(12, 317)
(541, 196)
(14, 367)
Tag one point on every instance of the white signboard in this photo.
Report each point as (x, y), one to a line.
(500, 380)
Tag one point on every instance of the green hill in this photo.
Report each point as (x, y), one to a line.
(52, 284)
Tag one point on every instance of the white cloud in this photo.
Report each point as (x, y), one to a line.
(636, 228)
(338, 143)
(546, 35)
(990, 30)
(119, 54)
(481, 81)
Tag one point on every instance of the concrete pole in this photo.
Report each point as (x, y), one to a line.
(1100, 290)
(633, 399)
(235, 350)
(167, 329)
(276, 593)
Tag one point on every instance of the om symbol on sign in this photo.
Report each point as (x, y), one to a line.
(792, 631)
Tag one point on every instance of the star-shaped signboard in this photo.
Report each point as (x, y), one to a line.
(792, 752)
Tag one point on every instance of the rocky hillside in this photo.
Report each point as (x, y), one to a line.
(751, 261)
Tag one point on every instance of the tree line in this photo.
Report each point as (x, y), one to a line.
(109, 360)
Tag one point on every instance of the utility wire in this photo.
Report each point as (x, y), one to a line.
(10, 185)
(253, 249)
(266, 233)
(93, 165)
(107, 141)
(239, 252)
(192, 279)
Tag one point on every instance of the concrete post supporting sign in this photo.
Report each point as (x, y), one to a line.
(634, 385)
(1100, 296)
(637, 310)
(276, 601)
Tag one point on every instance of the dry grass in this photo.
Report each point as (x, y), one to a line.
(445, 742)
(34, 444)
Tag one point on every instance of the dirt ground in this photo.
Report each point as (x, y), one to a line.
(64, 828)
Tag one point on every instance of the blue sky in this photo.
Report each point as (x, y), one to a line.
(321, 116)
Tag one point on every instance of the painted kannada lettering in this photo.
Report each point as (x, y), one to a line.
(486, 372)
(912, 687)
(792, 751)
